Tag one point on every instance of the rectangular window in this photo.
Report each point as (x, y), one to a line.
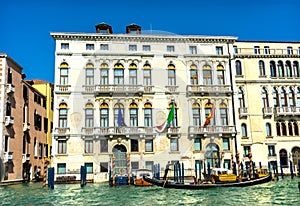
(147, 77)
(134, 145)
(298, 50)
(219, 50)
(61, 168)
(64, 76)
(226, 144)
(46, 154)
(103, 166)
(223, 116)
(89, 47)
(174, 144)
(266, 50)
(134, 165)
(132, 48)
(45, 124)
(235, 50)
(104, 77)
(197, 144)
(89, 118)
(148, 117)
(103, 145)
(89, 76)
(62, 147)
(149, 165)
(89, 168)
(289, 50)
(271, 150)
(40, 150)
(246, 151)
(133, 77)
(146, 48)
(256, 50)
(133, 117)
(104, 47)
(170, 48)
(64, 46)
(148, 145)
(171, 77)
(193, 49)
(88, 146)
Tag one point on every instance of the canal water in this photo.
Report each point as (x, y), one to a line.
(282, 192)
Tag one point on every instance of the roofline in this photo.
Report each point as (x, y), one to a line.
(268, 41)
(4, 55)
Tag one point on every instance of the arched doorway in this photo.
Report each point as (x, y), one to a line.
(120, 160)
(296, 157)
(283, 158)
(213, 155)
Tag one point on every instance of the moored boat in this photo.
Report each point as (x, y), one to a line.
(139, 180)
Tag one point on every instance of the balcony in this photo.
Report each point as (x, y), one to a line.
(243, 112)
(171, 89)
(286, 111)
(26, 127)
(262, 52)
(127, 131)
(9, 120)
(25, 157)
(87, 131)
(211, 130)
(8, 156)
(89, 89)
(10, 88)
(128, 90)
(63, 89)
(173, 131)
(62, 130)
(205, 90)
(267, 111)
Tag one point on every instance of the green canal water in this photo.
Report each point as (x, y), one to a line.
(282, 192)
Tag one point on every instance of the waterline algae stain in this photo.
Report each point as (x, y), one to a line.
(282, 192)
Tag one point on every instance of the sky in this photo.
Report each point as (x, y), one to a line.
(26, 25)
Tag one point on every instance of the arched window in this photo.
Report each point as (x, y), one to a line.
(196, 114)
(298, 96)
(147, 74)
(207, 75)
(265, 98)
(296, 69)
(118, 74)
(261, 66)
(132, 74)
(64, 74)
(280, 68)
(104, 74)
(268, 130)
(278, 130)
(291, 97)
(288, 68)
(148, 115)
(133, 112)
(174, 121)
(212, 155)
(244, 130)
(193, 74)
(290, 128)
(220, 74)
(209, 113)
(283, 158)
(283, 97)
(275, 97)
(241, 97)
(273, 69)
(89, 115)
(238, 67)
(119, 115)
(63, 114)
(104, 114)
(171, 75)
(296, 128)
(89, 74)
(223, 114)
(283, 129)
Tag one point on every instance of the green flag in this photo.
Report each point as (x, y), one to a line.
(171, 114)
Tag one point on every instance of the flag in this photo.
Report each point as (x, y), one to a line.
(166, 124)
(209, 117)
(120, 116)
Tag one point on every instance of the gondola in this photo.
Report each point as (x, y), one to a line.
(200, 186)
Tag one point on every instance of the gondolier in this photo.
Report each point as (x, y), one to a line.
(167, 170)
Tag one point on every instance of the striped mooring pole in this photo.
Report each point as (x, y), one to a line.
(46, 163)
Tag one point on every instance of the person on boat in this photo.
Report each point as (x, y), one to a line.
(167, 170)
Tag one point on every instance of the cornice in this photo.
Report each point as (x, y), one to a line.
(265, 56)
(269, 81)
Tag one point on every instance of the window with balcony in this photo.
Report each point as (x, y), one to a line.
(241, 98)
(89, 75)
(132, 48)
(226, 145)
(103, 145)
(147, 75)
(174, 122)
(197, 144)
(146, 48)
(193, 74)
(64, 46)
(64, 70)
(275, 97)
(283, 97)
(149, 145)
(133, 110)
(223, 114)
(244, 130)
(132, 74)
(89, 116)
(196, 114)
(63, 114)
(61, 168)
(219, 50)
(256, 50)
(273, 69)
(261, 68)
(104, 47)
(288, 69)
(88, 146)
(193, 49)
(104, 114)
(207, 75)
(119, 74)
(148, 115)
(171, 75)
(62, 146)
(220, 75)
(291, 97)
(118, 108)
(265, 98)
(289, 50)
(104, 167)
(90, 47)
(280, 69)
(104, 74)
(134, 145)
(268, 129)
(170, 48)
(209, 111)
(296, 70)
(174, 144)
(238, 68)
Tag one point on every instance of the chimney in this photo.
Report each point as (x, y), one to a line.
(103, 28)
(133, 29)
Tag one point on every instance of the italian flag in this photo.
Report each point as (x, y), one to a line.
(166, 124)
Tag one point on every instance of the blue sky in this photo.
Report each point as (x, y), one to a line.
(25, 25)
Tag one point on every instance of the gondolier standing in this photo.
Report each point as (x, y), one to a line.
(167, 170)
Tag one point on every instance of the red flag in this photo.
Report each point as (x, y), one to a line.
(210, 116)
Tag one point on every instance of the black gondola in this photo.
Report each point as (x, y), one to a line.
(243, 183)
